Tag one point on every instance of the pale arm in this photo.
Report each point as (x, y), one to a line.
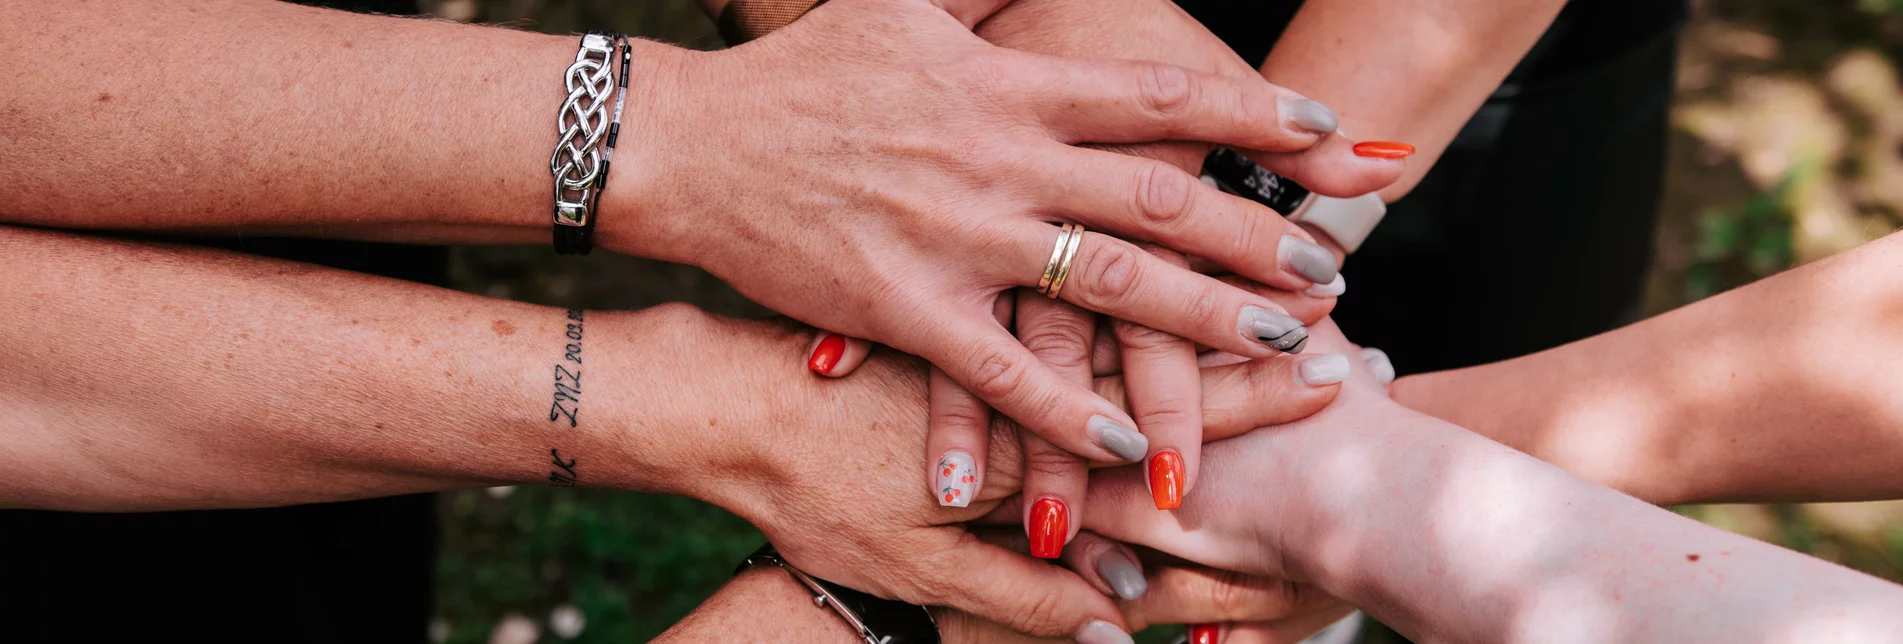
(1785, 389)
(1403, 70)
(1448, 536)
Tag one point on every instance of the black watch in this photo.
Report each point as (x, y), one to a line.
(878, 621)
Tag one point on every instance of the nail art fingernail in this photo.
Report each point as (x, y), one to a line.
(1323, 370)
(1122, 574)
(1102, 632)
(1309, 114)
(1049, 528)
(1126, 443)
(1383, 149)
(1166, 480)
(1307, 259)
(1332, 289)
(1379, 363)
(1278, 331)
(1204, 633)
(957, 476)
(827, 353)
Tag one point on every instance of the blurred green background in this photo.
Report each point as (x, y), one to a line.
(1788, 146)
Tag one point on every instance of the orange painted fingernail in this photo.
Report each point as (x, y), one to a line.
(1204, 633)
(1166, 480)
(1050, 526)
(1383, 149)
(826, 356)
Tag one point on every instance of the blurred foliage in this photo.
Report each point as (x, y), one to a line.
(632, 563)
(1738, 245)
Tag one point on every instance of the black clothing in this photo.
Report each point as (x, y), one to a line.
(1535, 228)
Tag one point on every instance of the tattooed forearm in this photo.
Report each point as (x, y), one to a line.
(564, 473)
(567, 401)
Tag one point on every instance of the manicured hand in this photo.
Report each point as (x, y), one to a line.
(1152, 588)
(877, 170)
(827, 469)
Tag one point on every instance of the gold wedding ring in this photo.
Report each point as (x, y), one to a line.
(1058, 268)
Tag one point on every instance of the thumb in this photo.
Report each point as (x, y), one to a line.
(1025, 594)
(834, 355)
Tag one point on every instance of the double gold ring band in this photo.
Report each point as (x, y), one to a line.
(1058, 268)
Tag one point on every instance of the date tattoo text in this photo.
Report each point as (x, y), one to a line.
(567, 401)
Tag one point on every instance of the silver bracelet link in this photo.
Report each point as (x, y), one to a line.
(583, 122)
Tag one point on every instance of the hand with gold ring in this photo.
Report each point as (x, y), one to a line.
(906, 234)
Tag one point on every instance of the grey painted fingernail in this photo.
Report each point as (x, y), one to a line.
(1126, 443)
(1331, 289)
(1324, 370)
(1102, 632)
(1311, 115)
(1379, 363)
(1307, 259)
(1122, 574)
(1278, 331)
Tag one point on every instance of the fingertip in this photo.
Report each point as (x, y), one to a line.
(1322, 370)
(956, 479)
(1379, 363)
(834, 356)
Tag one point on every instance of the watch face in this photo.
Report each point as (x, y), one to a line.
(891, 622)
(1238, 175)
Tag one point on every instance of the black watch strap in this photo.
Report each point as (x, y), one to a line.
(879, 621)
(1238, 175)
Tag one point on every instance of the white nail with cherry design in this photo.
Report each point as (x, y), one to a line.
(957, 479)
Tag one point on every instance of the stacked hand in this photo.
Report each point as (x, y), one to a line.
(912, 178)
(825, 471)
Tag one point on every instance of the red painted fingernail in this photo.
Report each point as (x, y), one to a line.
(1050, 525)
(1166, 480)
(827, 354)
(1383, 149)
(1204, 633)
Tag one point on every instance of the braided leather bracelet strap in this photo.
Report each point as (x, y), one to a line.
(581, 160)
(744, 20)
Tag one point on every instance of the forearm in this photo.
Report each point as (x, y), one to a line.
(762, 604)
(1470, 541)
(269, 114)
(145, 377)
(1781, 390)
(1400, 70)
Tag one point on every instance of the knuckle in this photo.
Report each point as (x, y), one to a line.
(1164, 194)
(1203, 308)
(1229, 596)
(965, 415)
(1165, 89)
(995, 372)
(1170, 411)
(1112, 272)
(1255, 227)
(1142, 339)
(1060, 342)
(1265, 378)
(1038, 614)
(1050, 462)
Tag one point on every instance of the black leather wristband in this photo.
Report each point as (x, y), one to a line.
(878, 621)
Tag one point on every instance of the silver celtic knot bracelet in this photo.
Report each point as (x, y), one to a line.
(580, 162)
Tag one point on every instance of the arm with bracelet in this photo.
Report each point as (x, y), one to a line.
(888, 185)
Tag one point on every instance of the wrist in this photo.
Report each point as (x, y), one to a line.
(670, 413)
(638, 212)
